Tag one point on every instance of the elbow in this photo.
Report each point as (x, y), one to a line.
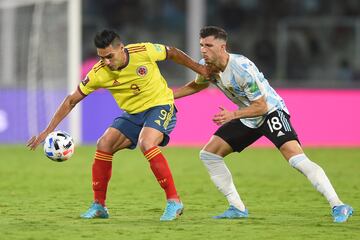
(262, 107)
(171, 52)
(175, 55)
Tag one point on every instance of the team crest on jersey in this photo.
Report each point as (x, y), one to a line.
(141, 71)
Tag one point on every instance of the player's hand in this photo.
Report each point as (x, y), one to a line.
(36, 140)
(205, 72)
(223, 116)
(209, 70)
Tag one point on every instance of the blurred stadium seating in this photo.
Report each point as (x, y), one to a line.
(310, 43)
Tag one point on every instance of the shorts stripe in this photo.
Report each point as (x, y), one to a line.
(284, 121)
(169, 116)
(171, 125)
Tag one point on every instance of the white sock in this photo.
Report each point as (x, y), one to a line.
(317, 177)
(222, 178)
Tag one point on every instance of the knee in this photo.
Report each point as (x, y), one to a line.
(291, 149)
(145, 144)
(102, 144)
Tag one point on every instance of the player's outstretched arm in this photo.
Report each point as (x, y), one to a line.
(190, 88)
(256, 108)
(63, 110)
(182, 58)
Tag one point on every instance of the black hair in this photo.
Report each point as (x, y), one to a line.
(106, 37)
(216, 32)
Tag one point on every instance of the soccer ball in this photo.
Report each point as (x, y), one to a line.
(59, 146)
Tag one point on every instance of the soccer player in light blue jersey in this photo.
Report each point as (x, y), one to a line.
(261, 112)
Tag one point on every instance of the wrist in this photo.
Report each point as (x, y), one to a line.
(234, 115)
(47, 131)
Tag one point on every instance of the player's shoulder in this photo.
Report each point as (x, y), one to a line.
(98, 66)
(136, 47)
(238, 58)
(99, 71)
(241, 62)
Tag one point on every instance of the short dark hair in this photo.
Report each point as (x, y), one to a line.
(217, 32)
(106, 37)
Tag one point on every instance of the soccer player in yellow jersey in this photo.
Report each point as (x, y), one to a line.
(131, 75)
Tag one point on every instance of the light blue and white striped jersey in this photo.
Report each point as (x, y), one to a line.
(242, 83)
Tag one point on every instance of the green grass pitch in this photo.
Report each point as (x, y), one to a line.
(41, 199)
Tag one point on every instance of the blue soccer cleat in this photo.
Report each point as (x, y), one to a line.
(172, 211)
(96, 210)
(341, 213)
(233, 213)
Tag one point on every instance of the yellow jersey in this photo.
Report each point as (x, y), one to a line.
(136, 87)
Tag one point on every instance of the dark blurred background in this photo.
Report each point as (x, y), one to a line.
(295, 43)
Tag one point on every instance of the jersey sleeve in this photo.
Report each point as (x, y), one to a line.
(251, 87)
(200, 79)
(88, 84)
(157, 52)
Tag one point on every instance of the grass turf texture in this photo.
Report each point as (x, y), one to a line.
(41, 199)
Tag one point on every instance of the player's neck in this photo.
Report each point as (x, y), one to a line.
(126, 60)
(223, 61)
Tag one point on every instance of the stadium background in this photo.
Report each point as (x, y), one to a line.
(309, 51)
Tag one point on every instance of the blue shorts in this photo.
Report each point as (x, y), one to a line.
(162, 118)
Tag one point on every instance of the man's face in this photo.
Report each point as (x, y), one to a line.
(113, 56)
(211, 48)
